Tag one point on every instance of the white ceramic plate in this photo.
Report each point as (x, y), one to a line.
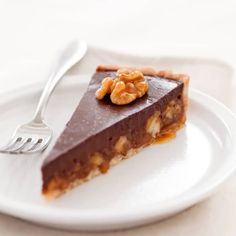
(158, 182)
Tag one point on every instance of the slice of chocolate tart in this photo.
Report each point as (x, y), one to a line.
(122, 111)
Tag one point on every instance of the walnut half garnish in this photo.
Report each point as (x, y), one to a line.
(124, 88)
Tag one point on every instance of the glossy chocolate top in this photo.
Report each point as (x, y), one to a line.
(93, 116)
(93, 120)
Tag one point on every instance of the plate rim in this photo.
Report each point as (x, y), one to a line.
(48, 216)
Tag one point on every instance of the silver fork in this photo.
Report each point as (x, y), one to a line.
(36, 135)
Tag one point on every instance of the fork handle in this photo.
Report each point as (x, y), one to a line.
(72, 54)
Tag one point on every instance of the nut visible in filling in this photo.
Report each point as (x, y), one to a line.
(154, 124)
(127, 86)
(122, 145)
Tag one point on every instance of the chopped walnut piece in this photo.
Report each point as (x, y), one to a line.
(127, 86)
(97, 159)
(154, 124)
(120, 94)
(128, 75)
(120, 146)
(105, 88)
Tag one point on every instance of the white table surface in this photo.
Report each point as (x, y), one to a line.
(32, 31)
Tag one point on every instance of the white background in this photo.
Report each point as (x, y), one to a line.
(32, 31)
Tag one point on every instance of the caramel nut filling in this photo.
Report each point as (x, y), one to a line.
(172, 111)
(97, 159)
(127, 86)
(153, 126)
(122, 145)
